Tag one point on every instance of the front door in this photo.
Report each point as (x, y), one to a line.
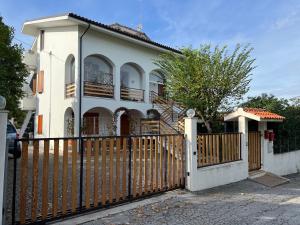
(254, 150)
(124, 125)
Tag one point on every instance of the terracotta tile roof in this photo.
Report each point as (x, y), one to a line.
(140, 36)
(263, 114)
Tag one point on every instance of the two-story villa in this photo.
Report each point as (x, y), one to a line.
(105, 73)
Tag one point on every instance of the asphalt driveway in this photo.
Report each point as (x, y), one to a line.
(240, 203)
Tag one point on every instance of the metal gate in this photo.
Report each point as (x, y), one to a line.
(254, 150)
(59, 177)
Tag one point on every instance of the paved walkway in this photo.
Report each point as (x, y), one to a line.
(241, 203)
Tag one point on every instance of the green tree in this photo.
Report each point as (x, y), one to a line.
(12, 71)
(267, 102)
(207, 79)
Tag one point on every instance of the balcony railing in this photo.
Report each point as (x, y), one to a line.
(70, 90)
(132, 94)
(98, 89)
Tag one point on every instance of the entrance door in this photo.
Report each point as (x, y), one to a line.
(254, 150)
(161, 90)
(124, 125)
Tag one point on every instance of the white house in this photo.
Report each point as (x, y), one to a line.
(112, 64)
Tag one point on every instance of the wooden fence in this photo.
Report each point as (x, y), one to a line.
(56, 177)
(218, 148)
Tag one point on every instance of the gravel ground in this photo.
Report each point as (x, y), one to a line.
(240, 203)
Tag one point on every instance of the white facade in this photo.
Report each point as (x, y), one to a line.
(62, 41)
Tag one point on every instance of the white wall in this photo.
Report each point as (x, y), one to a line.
(281, 164)
(59, 44)
(213, 176)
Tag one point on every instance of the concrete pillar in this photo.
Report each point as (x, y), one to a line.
(190, 131)
(3, 159)
(262, 126)
(117, 83)
(243, 128)
(146, 87)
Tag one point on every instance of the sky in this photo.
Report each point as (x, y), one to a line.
(271, 27)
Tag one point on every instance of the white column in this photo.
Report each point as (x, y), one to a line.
(119, 123)
(190, 131)
(243, 128)
(3, 159)
(262, 126)
(117, 83)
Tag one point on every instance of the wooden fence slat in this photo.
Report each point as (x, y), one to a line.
(35, 175)
(23, 181)
(173, 161)
(146, 166)
(140, 166)
(168, 162)
(96, 172)
(124, 167)
(103, 172)
(156, 164)
(88, 174)
(111, 169)
(161, 163)
(65, 177)
(74, 175)
(134, 184)
(151, 164)
(218, 147)
(55, 178)
(182, 153)
(45, 180)
(177, 161)
(118, 147)
(207, 150)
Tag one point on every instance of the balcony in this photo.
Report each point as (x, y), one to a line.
(98, 89)
(132, 94)
(28, 102)
(70, 90)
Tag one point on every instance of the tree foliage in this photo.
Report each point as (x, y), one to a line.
(207, 79)
(12, 71)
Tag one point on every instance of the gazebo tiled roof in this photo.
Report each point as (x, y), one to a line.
(264, 114)
(254, 114)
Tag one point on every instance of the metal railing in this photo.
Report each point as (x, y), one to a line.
(70, 90)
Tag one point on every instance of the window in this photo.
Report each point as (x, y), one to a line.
(40, 124)
(97, 70)
(42, 40)
(40, 87)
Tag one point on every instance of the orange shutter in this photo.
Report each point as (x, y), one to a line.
(34, 86)
(40, 124)
(40, 87)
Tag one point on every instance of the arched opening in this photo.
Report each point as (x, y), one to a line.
(70, 77)
(69, 122)
(157, 83)
(98, 76)
(132, 87)
(98, 121)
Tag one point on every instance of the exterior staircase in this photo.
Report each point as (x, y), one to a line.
(171, 117)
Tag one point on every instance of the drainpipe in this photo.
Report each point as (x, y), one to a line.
(79, 125)
(80, 77)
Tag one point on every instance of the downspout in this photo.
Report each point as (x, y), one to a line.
(80, 77)
(79, 125)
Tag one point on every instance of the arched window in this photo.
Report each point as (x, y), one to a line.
(131, 76)
(70, 70)
(98, 70)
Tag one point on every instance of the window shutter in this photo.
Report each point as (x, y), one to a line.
(40, 88)
(34, 86)
(40, 124)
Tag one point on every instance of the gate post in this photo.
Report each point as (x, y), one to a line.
(190, 131)
(3, 160)
(243, 128)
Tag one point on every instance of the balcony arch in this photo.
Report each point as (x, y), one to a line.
(70, 76)
(98, 121)
(69, 122)
(157, 83)
(98, 76)
(132, 82)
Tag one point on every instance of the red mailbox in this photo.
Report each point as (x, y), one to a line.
(271, 136)
(267, 134)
